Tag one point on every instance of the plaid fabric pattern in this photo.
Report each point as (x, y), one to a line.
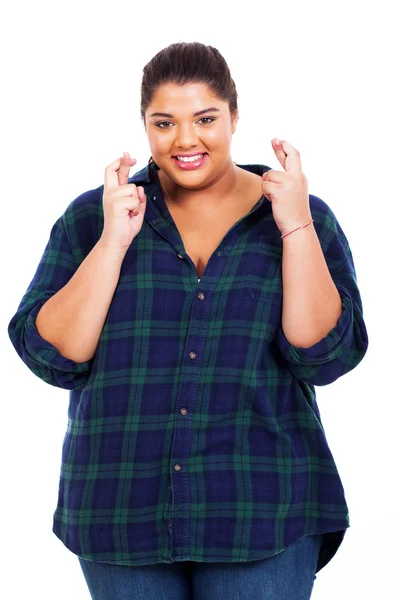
(194, 432)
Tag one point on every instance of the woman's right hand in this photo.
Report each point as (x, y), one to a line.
(124, 205)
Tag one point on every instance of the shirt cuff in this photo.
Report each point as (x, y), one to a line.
(45, 353)
(331, 346)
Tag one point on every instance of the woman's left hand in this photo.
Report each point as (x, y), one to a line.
(287, 190)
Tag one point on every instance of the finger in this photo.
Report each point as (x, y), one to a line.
(125, 191)
(280, 154)
(123, 172)
(270, 189)
(141, 208)
(292, 162)
(275, 176)
(118, 169)
(141, 194)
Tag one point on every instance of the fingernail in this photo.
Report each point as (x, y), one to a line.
(277, 142)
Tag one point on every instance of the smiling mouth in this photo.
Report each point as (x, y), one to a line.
(190, 165)
(190, 158)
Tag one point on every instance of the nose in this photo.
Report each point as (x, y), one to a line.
(186, 136)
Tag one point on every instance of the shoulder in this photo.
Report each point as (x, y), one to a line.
(326, 223)
(83, 220)
(85, 205)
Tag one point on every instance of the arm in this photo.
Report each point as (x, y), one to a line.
(311, 301)
(73, 318)
(58, 344)
(324, 340)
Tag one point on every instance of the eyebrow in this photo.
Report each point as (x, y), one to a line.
(196, 114)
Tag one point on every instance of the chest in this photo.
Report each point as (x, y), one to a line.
(201, 235)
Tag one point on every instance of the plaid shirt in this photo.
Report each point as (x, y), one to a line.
(194, 432)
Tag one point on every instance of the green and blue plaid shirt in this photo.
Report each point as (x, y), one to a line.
(194, 432)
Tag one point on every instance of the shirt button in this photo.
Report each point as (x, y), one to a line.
(183, 411)
(180, 256)
(201, 296)
(177, 467)
(192, 354)
(154, 197)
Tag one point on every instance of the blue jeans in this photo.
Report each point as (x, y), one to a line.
(289, 575)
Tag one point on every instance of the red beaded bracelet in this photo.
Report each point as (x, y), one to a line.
(302, 227)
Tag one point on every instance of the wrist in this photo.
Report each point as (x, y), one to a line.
(108, 250)
(304, 223)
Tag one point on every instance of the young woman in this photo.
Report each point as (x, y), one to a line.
(190, 310)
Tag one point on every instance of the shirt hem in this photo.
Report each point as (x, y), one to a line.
(331, 541)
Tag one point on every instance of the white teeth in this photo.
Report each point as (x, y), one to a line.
(189, 158)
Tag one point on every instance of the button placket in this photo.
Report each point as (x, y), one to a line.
(184, 407)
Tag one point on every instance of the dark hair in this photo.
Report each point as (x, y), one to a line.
(188, 62)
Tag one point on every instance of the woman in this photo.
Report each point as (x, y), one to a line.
(190, 310)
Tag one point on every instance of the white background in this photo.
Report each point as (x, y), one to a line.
(321, 75)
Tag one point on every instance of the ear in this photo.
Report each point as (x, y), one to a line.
(235, 118)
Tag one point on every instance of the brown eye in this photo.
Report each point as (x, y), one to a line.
(210, 119)
(162, 123)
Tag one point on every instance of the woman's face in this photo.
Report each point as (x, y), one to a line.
(179, 131)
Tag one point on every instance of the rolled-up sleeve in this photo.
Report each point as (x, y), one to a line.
(346, 344)
(55, 269)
